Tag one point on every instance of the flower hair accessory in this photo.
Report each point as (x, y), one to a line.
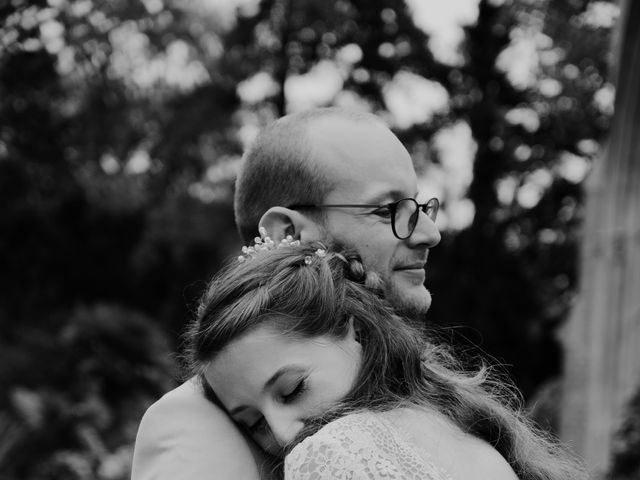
(264, 243)
(319, 253)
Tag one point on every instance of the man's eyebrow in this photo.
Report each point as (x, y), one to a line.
(387, 197)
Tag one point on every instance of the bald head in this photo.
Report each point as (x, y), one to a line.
(356, 168)
(289, 164)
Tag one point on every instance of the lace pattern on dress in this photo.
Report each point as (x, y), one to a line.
(361, 446)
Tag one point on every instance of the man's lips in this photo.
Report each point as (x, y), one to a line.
(415, 266)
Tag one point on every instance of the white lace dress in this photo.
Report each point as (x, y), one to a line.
(361, 446)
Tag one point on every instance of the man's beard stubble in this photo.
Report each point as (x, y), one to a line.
(415, 314)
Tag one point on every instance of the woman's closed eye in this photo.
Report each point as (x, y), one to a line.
(293, 393)
(260, 427)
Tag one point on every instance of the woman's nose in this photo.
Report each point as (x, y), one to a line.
(284, 428)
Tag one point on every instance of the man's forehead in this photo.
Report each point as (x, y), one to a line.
(363, 161)
(337, 133)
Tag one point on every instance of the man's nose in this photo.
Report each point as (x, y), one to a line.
(425, 233)
(284, 428)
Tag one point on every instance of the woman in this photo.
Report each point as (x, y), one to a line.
(303, 352)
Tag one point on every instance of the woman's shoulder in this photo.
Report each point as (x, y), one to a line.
(356, 421)
(351, 432)
(438, 439)
(358, 427)
(362, 445)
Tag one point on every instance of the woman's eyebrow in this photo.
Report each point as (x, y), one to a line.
(238, 409)
(279, 373)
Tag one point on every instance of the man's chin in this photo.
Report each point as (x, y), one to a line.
(413, 301)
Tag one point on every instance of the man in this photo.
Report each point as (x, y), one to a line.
(332, 175)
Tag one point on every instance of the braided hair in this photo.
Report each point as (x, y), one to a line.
(305, 291)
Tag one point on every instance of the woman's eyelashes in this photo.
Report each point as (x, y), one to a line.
(288, 395)
(295, 391)
(259, 427)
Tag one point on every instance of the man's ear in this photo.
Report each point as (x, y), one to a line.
(281, 221)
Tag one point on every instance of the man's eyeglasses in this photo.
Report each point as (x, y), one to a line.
(403, 213)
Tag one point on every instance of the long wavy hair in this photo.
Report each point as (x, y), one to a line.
(303, 294)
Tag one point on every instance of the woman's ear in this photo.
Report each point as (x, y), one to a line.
(281, 221)
(354, 329)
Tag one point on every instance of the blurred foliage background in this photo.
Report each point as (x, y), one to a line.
(121, 128)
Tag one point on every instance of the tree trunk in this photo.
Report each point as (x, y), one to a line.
(602, 337)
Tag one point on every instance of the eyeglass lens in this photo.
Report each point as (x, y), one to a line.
(406, 215)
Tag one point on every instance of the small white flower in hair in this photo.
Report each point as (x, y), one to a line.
(264, 243)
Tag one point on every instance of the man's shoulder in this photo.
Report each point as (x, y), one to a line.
(185, 400)
(184, 435)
